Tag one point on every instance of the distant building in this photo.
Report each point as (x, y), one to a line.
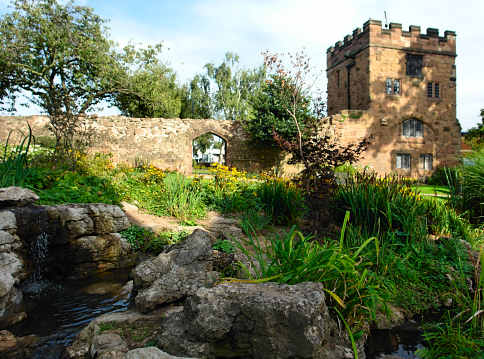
(399, 87)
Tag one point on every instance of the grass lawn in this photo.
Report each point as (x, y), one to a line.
(428, 189)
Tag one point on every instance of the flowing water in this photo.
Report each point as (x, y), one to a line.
(59, 314)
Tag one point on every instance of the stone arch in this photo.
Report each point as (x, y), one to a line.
(224, 150)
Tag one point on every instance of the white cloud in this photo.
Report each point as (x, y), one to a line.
(206, 29)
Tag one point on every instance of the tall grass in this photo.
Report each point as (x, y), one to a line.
(293, 258)
(14, 161)
(281, 200)
(181, 198)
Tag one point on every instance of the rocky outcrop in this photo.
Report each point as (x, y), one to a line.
(175, 274)
(189, 314)
(16, 348)
(12, 272)
(16, 197)
(78, 240)
(266, 320)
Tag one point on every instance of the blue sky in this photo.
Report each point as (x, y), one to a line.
(201, 31)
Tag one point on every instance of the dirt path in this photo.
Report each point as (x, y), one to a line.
(214, 223)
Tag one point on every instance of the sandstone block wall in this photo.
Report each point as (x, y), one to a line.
(373, 55)
(166, 143)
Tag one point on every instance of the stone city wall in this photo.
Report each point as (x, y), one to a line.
(165, 143)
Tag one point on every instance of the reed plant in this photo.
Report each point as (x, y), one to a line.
(14, 161)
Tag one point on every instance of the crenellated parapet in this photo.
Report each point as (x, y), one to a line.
(373, 34)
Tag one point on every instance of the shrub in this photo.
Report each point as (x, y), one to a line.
(146, 241)
(281, 200)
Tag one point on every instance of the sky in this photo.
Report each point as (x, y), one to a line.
(201, 31)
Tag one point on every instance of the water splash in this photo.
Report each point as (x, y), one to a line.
(37, 285)
(39, 250)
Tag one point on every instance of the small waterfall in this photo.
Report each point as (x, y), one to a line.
(39, 250)
(37, 285)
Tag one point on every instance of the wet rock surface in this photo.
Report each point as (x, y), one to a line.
(38, 242)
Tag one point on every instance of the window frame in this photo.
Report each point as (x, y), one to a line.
(399, 160)
(413, 128)
(425, 160)
(414, 65)
(391, 86)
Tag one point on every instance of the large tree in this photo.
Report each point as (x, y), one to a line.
(153, 90)
(233, 87)
(59, 56)
(197, 101)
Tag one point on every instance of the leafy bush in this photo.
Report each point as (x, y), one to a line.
(224, 246)
(146, 241)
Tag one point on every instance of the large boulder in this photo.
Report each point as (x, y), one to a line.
(16, 197)
(176, 274)
(92, 254)
(150, 353)
(256, 321)
(10, 295)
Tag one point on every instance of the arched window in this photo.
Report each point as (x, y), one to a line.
(412, 128)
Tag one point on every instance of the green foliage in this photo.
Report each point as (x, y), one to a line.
(270, 113)
(475, 136)
(473, 186)
(14, 162)
(234, 88)
(196, 100)
(60, 56)
(224, 246)
(146, 241)
(152, 89)
(293, 258)
(281, 201)
(106, 326)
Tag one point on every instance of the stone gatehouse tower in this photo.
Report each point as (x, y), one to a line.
(399, 87)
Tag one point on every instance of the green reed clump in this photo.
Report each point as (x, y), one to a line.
(14, 161)
(293, 258)
(281, 200)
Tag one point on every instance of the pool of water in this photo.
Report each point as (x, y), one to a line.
(402, 342)
(58, 316)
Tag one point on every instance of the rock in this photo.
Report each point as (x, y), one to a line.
(83, 343)
(223, 227)
(73, 219)
(107, 343)
(16, 348)
(150, 353)
(10, 296)
(394, 317)
(93, 254)
(7, 341)
(16, 197)
(256, 321)
(9, 242)
(174, 275)
(108, 218)
(7, 220)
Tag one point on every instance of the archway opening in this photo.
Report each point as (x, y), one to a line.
(207, 150)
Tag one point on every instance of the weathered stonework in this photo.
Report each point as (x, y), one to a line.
(359, 105)
(166, 143)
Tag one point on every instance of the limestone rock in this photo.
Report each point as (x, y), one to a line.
(107, 343)
(91, 254)
(256, 321)
(83, 344)
(7, 220)
(16, 197)
(12, 271)
(173, 275)
(108, 218)
(150, 353)
(7, 341)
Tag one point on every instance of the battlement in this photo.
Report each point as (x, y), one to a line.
(373, 34)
